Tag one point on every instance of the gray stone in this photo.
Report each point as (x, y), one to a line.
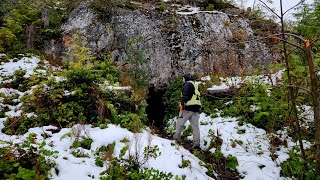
(204, 42)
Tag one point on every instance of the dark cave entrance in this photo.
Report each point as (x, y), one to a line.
(155, 108)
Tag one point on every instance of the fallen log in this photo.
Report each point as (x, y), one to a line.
(227, 93)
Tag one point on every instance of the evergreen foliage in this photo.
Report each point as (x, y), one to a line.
(309, 24)
(20, 15)
(294, 165)
(172, 97)
(130, 168)
(28, 160)
(259, 105)
(305, 164)
(216, 4)
(137, 62)
(80, 97)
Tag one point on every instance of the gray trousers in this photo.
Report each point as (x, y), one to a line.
(193, 118)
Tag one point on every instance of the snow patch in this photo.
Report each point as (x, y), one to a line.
(26, 63)
(71, 167)
(229, 82)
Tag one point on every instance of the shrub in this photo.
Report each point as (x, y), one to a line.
(137, 62)
(258, 104)
(28, 160)
(210, 7)
(217, 4)
(106, 70)
(232, 162)
(20, 14)
(161, 7)
(19, 81)
(217, 164)
(2, 114)
(85, 143)
(294, 166)
(172, 97)
(122, 168)
(19, 125)
(105, 8)
(185, 163)
(78, 98)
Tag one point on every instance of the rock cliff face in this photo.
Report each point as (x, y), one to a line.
(173, 43)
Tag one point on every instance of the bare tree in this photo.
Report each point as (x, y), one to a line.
(290, 87)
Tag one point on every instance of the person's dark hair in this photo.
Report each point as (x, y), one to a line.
(188, 77)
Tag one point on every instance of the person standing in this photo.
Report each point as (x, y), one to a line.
(190, 105)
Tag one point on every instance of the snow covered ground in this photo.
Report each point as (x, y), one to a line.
(253, 153)
(25, 63)
(249, 144)
(229, 82)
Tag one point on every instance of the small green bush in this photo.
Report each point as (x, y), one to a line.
(260, 105)
(122, 168)
(172, 97)
(161, 7)
(185, 163)
(2, 114)
(19, 81)
(85, 143)
(28, 160)
(105, 8)
(210, 7)
(20, 125)
(216, 163)
(79, 98)
(294, 166)
(22, 83)
(232, 162)
(217, 4)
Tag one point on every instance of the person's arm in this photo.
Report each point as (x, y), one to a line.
(187, 93)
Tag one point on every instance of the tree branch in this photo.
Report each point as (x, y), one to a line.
(302, 1)
(316, 39)
(278, 38)
(270, 8)
(292, 50)
(299, 87)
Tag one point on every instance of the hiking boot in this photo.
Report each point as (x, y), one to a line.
(197, 148)
(177, 140)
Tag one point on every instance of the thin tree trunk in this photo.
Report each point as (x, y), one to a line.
(30, 35)
(316, 105)
(291, 95)
(45, 17)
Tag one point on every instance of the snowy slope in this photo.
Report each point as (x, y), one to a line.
(253, 153)
(71, 167)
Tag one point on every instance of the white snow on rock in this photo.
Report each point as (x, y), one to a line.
(188, 10)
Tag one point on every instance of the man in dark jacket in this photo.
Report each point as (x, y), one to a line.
(191, 105)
